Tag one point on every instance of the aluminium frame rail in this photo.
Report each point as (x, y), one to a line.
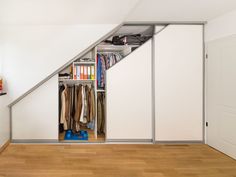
(153, 78)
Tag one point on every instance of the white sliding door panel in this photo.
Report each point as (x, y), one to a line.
(179, 83)
(36, 116)
(129, 97)
(221, 95)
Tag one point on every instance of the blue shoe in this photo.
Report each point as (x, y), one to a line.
(68, 134)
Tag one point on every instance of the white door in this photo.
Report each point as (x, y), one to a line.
(129, 97)
(221, 95)
(179, 83)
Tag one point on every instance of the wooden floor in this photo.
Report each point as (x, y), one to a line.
(115, 160)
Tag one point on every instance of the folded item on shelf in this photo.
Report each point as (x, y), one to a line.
(64, 75)
(86, 59)
(135, 39)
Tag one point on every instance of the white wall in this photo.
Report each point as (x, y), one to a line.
(1, 49)
(33, 52)
(4, 111)
(129, 96)
(222, 26)
(1, 56)
(36, 116)
(4, 120)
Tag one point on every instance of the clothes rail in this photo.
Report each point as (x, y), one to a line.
(108, 52)
(75, 82)
(70, 80)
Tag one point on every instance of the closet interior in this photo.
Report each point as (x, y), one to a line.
(82, 85)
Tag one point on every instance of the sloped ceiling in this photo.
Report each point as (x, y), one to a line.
(64, 12)
(69, 12)
(180, 10)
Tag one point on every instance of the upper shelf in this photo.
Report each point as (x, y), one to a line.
(116, 48)
(84, 62)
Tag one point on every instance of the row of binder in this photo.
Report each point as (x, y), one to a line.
(82, 72)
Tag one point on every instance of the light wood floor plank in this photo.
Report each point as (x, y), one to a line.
(115, 160)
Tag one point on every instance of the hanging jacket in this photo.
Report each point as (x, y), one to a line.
(65, 108)
(99, 70)
(92, 112)
(100, 113)
(78, 107)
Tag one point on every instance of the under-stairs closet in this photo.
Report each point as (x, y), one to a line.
(141, 83)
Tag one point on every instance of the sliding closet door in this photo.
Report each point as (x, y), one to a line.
(179, 83)
(129, 97)
(35, 118)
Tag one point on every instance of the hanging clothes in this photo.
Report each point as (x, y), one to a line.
(92, 112)
(110, 58)
(65, 107)
(105, 60)
(61, 88)
(77, 106)
(101, 113)
(83, 105)
(101, 69)
(92, 109)
(71, 108)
